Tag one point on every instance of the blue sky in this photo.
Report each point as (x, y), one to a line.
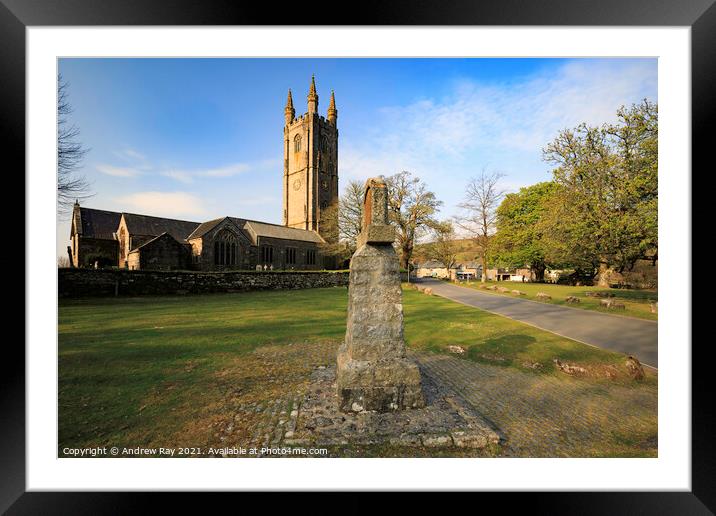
(197, 139)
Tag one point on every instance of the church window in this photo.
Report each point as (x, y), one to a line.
(311, 257)
(297, 143)
(226, 248)
(324, 145)
(267, 254)
(290, 255)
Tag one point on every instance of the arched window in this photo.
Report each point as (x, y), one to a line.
(297, 143)
(324, 145)
(226, 248)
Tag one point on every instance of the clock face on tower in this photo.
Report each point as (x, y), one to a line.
(297, 184)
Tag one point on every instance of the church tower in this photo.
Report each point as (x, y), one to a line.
(310, 167)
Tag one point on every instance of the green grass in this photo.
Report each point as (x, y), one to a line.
(636, 302)
(432, 323)
(147, 371)
(119, 358)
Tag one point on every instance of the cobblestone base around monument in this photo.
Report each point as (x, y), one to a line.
(444, 421)
(269, 403)
(551, 415)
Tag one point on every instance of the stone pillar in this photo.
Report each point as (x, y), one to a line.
(373, 371)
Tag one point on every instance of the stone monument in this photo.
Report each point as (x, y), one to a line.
(373, 371)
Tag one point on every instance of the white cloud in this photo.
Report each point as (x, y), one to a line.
(138, 163)
(227, 171)
(163, 204)
(255, 201)
(136, 159)
(111, 170)
(179, 175)
(501, 126)
(131, 153)
(188, 176)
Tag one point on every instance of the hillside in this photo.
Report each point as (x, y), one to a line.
(468, 251)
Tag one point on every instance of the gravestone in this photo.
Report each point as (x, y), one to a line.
(373, 370)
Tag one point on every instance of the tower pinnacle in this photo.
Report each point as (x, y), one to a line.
(332, 111)
(312, 96)
(289, 111)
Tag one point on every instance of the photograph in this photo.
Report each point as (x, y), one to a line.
(357, 257)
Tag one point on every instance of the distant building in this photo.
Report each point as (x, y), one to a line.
(467, 271)
(522, 275)
(102, 238)
(498, 274)
(437, 269)
(431, 269)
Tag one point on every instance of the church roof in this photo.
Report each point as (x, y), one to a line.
(154, 226)
(103, 224)
(207, 226)
(258, 228)
(96, 223)
(155, 239)
(283, 232)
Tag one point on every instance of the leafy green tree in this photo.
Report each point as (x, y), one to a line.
(603, 213)
(518, 240)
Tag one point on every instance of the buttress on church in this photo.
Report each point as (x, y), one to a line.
(102, 238)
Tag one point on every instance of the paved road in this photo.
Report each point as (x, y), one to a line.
(624, 334)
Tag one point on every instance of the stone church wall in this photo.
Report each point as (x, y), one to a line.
(280, 247)
(104, 283)
(163, 253)
(92, 250)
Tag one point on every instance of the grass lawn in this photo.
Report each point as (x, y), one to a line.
(163, 371)
(636, 302)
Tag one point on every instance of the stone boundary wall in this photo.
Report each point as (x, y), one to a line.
(108, 282)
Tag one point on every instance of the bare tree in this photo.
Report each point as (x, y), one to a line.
(350, 213)
(482, 198)
(341, 223)
(70, 154)
(411, 209)
(444, 247)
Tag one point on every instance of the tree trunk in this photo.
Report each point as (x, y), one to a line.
(603, 275)
(483, 260)
(405, 257)
(538, 271)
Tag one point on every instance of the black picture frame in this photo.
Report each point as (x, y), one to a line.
(700, 15)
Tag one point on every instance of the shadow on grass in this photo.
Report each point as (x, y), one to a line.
(634, 295)
(504, 345)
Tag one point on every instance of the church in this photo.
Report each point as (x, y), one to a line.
(102, 238)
